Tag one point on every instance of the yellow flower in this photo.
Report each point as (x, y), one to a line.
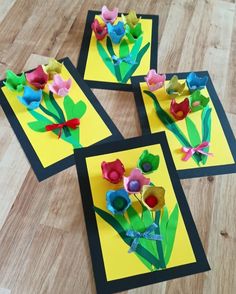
(131, 19)
(53, 67)
(153, 197)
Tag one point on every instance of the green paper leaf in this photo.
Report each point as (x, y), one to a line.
(69, 105)
(49, 104)
(136, 47)
(170, 232)
(135, 66)
(193, 134)
(123, 52)
(206, 130)
(105, 57)
(171, 125)
(112, 53)
(79, 109)
(159, 242)
(140, 250)
(38, 126)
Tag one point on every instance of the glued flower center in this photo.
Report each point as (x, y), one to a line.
(134, 186)
(114, 175)
(146, 166)
(196, 103)
(151, 201)
(179, 113)
(119, 203)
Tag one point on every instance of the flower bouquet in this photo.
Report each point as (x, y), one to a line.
(196, 146)
(42, 103)
(125, 37)
(150, 229)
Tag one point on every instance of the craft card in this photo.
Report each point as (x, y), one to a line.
(187, 108)
(139, 225)
(52, 111)
(116, 47)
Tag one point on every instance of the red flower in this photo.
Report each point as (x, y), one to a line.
(37, 78)
(180, 110)
(100, 31)
(113, 171)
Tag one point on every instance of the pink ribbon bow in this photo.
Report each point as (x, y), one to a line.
(190, 151)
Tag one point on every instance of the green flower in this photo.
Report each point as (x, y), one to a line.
(133, 33)
(198, 101)
(14, 82)
(174, 86)
(148, 162)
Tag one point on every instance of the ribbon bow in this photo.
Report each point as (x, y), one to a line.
(72, 123)
(190, 151)
(146, 235)
(128, 59)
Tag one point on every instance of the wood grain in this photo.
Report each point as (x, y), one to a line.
(43, 243)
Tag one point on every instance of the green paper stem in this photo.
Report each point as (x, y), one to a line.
(206, 130)
(193, 134)
(135, 66)
(123, 52)
(105, 57)
(159, 242)
(112, 53)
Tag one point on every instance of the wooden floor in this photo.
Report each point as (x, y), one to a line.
(43, 243)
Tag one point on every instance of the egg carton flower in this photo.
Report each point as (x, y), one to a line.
(109, 16)
(116, 32)
(59, 86)
(118, 201)
(99, 30)
(133, 33)
(148, 162)
(180, 110)
(52, 68)
(198, 101)
(174, 87)
(37, 78)
(153, 197)
(31, 98)
(135, 181)
(113, 171)
(131, 19)
(195, 82)
(154, 80)
(14, 82)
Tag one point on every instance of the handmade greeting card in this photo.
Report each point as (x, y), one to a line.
(52, 111)
(187, 108)
(139, 225)
(117, 46)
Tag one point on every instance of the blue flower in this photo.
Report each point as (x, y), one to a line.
(116, 32)
(196, 83)
(118, 201)
(31, 98)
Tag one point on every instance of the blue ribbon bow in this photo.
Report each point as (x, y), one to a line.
(128, 59)
(146, 235)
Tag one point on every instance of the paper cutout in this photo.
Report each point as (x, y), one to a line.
(113, 171)
(205, 122)
(31, 98)
(114, 49)
(109, 16)
(148, 162)
(135, 181)
(14, 82)
(148, 234)
(154, 80)
(59, 86)
(37, 78)
(180, 110)
(196, 83)
(39, 117)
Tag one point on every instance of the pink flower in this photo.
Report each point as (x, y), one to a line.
(154, 80)
(109, 15)
(135, 181)
(113, 171)
(180, 110)
(37, 78)
(59, 86)
(99, 30)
